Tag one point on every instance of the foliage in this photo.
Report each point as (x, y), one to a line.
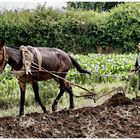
(105, 69)
(122, 27)
(96, 6)
(73, 30)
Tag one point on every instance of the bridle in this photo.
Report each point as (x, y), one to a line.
(5, 58)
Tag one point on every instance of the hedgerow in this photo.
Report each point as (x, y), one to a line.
(75, 30)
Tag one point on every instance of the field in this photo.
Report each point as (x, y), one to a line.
(105, 69)
(112, 116)
(103, 40)
(118, 117)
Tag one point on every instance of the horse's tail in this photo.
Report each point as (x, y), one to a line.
(78, 67)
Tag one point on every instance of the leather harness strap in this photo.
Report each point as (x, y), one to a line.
(39, 58)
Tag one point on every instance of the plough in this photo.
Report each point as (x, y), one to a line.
(93, 95)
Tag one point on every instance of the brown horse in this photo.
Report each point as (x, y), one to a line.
(53, 59)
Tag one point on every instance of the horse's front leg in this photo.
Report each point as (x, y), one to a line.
(22, 97)
(37, 97)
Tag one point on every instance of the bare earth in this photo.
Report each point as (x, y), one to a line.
(118, 117)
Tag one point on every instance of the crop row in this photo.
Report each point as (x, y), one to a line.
(104, 67)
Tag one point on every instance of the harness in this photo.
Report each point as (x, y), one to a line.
(27, 61)
(39, 58)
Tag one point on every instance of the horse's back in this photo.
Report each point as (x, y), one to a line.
(53, 59)
(49, 52)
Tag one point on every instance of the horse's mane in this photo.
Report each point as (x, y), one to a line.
(16, 53)
(17, 49)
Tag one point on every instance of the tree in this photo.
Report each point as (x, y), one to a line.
(97, 6)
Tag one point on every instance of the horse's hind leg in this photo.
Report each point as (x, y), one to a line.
(68, 88)
(37, 97)
(63, 87)
(54, 106)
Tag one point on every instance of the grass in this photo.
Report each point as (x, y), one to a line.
(64, 102)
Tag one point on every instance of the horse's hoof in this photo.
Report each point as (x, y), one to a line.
(20, 115)
(71, 108)
(54, 107)
(45, 111)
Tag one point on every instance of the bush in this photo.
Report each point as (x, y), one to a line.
(76, 31)
(122, 27)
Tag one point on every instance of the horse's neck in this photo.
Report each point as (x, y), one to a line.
(14, 58)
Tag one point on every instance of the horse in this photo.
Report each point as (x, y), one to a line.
(53, 59)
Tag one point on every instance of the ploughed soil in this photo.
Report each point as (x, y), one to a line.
(117, 117)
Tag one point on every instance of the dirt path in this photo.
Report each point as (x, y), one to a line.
(118, 117)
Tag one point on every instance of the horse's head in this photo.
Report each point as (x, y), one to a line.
(3, 58)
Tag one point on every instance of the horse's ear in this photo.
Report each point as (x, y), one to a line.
(2, 42)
